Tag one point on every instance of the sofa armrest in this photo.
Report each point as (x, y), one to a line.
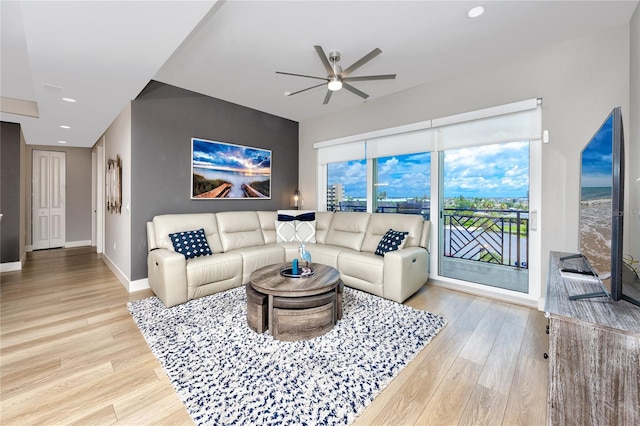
(167, 272)
(405, 272)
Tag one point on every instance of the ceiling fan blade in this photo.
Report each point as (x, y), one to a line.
(354, 90)
(302, 75)
(327, 97)
(371, 77)
(308, 88)
(366, 58)
(324, 59)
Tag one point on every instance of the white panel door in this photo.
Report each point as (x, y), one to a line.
(48, 205)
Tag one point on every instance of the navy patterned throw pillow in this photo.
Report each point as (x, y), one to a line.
(392, 240)
(191, 243)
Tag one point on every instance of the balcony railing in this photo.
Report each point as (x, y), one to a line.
(383, 207)
(491, 236)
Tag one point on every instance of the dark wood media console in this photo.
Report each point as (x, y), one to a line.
(594, 354)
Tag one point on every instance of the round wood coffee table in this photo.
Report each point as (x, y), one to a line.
(299, 308)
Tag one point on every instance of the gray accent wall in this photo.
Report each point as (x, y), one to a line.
(163, 120)
(10, 190)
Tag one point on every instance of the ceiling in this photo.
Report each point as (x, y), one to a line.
(103, 53)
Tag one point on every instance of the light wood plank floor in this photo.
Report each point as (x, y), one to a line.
(71, 354)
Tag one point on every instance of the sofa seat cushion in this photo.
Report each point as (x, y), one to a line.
(225, 267)
(256, 257)
(365, 266)
(323, 253)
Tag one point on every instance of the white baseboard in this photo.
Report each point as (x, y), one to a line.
(493, 293)
(70, 244)
(10, 266)
(14, 266)
(541, 304)
(130, 286)
(116, 271)
(138, 285)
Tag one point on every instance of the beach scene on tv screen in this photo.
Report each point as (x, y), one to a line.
(223, 170)
(596, 201)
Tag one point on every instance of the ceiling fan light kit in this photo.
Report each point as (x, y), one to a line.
(337, 78)
(334, 83)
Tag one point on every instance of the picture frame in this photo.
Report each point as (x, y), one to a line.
(225, 171)
(113, 183)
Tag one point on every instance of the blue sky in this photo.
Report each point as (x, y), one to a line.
(596, 158)
(228, 157)
(492, 171)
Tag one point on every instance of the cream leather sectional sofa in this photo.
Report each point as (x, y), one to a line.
(244, 241)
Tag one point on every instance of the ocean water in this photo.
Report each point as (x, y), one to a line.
(235, 178)
(589, 193)
(595, 235)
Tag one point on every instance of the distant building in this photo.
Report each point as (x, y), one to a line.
(335, 194)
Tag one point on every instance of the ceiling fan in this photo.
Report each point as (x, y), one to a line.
(336, 78)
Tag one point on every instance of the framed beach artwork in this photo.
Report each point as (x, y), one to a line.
(222, 170)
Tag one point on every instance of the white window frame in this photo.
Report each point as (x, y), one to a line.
(441, 134)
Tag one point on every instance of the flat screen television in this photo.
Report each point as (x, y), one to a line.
(602, 210)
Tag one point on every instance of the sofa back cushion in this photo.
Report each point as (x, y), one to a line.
(166, 224)
(239, 229)
(268, 224)
(380, 223)
(347, 229)
(323, 221)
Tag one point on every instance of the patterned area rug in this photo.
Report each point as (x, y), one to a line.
(227, 374)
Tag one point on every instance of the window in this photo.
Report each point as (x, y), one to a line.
(410, 168)
(402, 184)
(347, 186)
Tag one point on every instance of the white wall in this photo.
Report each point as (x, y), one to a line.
(580, 82)
(117, 227)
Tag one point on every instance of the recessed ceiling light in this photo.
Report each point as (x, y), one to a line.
(68, 99)
(62, 141)
(62, 126)
(475, 11)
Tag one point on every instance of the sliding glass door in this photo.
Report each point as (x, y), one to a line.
(476, 176)
(484, 215)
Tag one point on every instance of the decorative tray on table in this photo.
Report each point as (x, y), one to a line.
(303, 272)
